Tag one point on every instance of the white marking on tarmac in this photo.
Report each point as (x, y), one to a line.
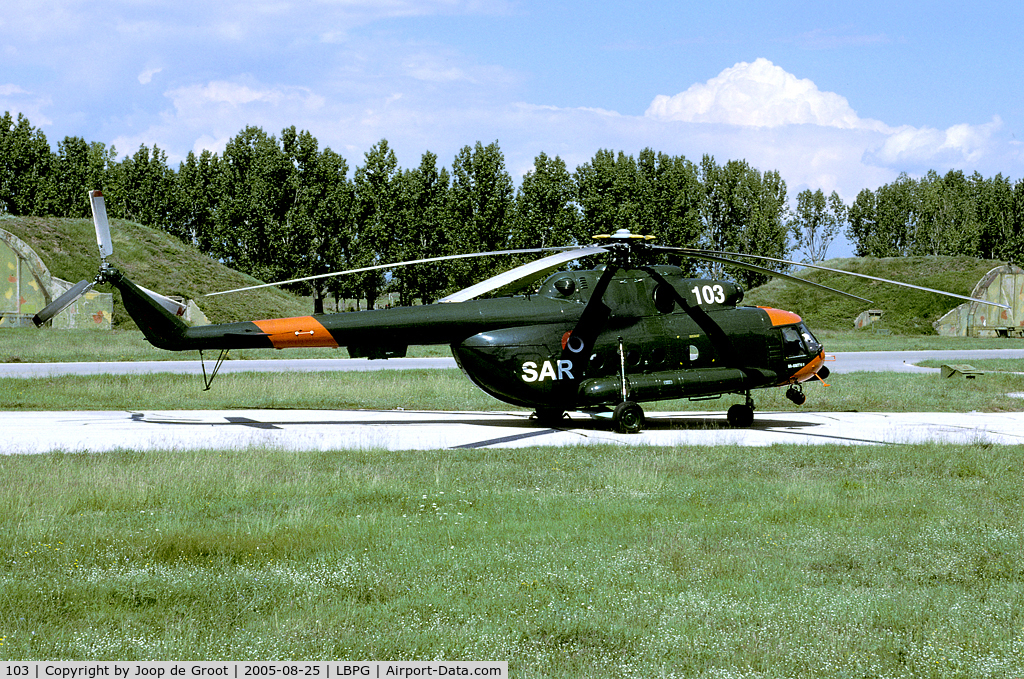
(100, 431)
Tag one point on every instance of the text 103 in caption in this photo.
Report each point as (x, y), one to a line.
(245, 670)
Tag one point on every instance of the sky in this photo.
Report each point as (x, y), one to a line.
(839, 97)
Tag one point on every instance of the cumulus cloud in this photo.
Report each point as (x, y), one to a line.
(424, 97)
(206, 116)
(759, 94)
(816, 138)
(146, 76)
(197, 98)
(15, 99)
(963, 142)
(9, 89)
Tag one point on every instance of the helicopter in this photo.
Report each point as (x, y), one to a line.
(600, 341)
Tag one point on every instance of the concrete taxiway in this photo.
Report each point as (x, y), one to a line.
(78, 431)
(99, 431)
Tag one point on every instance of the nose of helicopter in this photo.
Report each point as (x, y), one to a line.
(810, 370)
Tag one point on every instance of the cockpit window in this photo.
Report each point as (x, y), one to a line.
(792, 344)
(797, 340)
(810, 341)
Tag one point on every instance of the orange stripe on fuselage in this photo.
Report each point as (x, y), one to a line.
(302, 331)
(780, 317)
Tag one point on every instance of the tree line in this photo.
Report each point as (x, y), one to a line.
(280, 207)
(951, 214)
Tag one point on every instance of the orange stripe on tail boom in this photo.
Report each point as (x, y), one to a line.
(302, 331)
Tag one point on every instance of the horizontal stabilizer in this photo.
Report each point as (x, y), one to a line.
(176, 308)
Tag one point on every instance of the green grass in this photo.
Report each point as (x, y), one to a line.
(869, 340)
(383, 390)
(450, 390)
(568, 562)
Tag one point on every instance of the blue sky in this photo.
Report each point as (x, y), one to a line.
(841, 97)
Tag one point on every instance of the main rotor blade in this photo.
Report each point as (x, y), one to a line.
(521, 276)
(579, 342)
(378, 267)
(713, 257)
(63, 302)
(862, 275)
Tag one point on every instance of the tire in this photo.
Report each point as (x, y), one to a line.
(740, 416)
(628, 417)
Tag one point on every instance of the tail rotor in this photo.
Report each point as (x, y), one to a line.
(106, 246)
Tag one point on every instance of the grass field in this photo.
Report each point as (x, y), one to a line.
(450, 390)
(597, 561)
(898, 561)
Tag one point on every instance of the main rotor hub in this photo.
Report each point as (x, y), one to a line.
(624, 245)
(623, 236)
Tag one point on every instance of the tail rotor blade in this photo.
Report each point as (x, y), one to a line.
(63, 302)
(99, 220)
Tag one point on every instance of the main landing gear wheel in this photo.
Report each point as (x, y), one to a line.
(740, 415)
(628, 417)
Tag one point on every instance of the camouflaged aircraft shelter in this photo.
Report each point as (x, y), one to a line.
(1003, 284)
(26, 286)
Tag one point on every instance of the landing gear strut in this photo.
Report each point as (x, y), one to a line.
(741, 415)
(628, 416)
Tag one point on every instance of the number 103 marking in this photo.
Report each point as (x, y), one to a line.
(709, 294)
